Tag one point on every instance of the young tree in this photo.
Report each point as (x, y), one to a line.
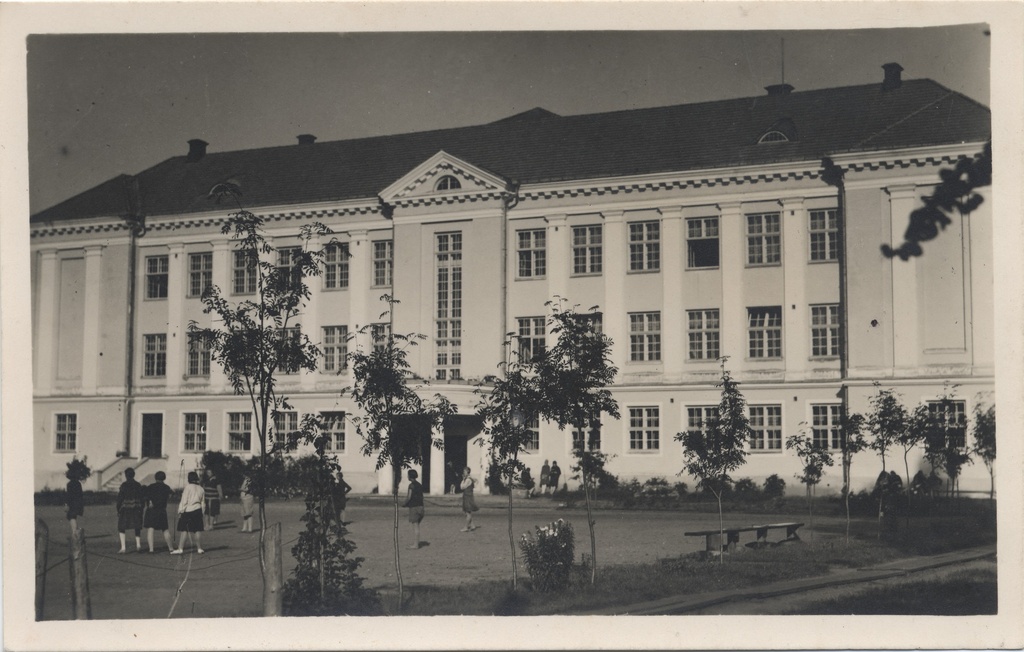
(887, 421)
(395, 419)
(574, 375)
(505, 408)
(815, 459)
(258, 338)
(984, 432)
(851, 442)
(717, 448)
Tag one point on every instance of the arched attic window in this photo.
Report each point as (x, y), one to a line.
(447, 182)
(773, 136)
(783, 131)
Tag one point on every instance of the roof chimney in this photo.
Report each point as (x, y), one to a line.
(892, 76)
(306, 139)
(778, 89)
(196, 149)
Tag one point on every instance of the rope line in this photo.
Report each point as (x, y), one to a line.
(177, 594)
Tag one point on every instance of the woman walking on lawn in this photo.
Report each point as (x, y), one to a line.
(156, 496)
(129, 510)
(414, 501)
(190, 513)
(468, 504)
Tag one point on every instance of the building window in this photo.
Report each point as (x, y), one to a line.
(285, 425)
(155, 356)
(200, 273)
(66, 433)
(644, 336)
(290, 359)
(336, 266)
(532, 253)
(644, 246)
(195, 432)
(824, 235)
(289, 270)
(764, 332)
(533, 425)
(825, 430)
(448, 316)
(198, 357)
(157, 268)
(644, 429)
(334, 431)
(766, 427)
(448, 182)
(586, 249)
(335, 346)
(774, 137)
(702, 242)
(379, 333)
(952, 417)
(244, 271)
(700, 417)
(239, 431)
(591, 436)
(825, 331)
(764, 242)
(531, 338)
(703, 331)
(383, 262)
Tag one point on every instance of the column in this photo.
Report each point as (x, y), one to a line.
(902, 200)
(177, 335)
(436, 463)
(558, 246)
(309, 318)
(796, 313)
(614, 278)
(733, 262)
(223, 265)
(672, 312)
(91, 325)
(384, 487)
(360, 313)
(46, 342)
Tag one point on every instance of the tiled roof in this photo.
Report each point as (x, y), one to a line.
(539, 146)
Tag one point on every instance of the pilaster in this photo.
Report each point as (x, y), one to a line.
(309, 318)
(672, 316)
(733, 257)
(614, 322)
(222, 272)
(176, 336)
(358, 288)
(796, 319)
(91, 319)
(558, 256)
(46, 337)
(436, 463)
(905, 311)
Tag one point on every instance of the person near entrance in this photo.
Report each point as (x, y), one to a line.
(414, 501)
(553, 476)
(545, 475)
(468, 503)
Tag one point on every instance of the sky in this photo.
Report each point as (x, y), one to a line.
(106, 104)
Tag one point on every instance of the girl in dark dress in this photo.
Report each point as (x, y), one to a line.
(129, 509)
(157, 495)
(340, 498)
(75, 501)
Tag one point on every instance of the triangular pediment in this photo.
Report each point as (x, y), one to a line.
(427, 182)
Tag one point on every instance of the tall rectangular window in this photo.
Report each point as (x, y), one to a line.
(379, 333)
(285, 424)
(154, 360)
(766, 427)
(289, 271)
(335, 347)
(157, 268)
(764, 239)
(290, 357)
(703, 331)
(952, 416)
(698, 418)
(383, 262)
(644, 246)
(644, 336)
(825, 430)
(587, 249)
(336, 266)
(825, 331)
(644, 429)
(198, 357)
(533, 425)
(244, 272)
(531, 338)
(239, 431)
(200, 273)
(531, 247)
(589, 437)
(448, 314)
(195, 432)
(334, 430)
(66, 433)
(764, 331)
(823, 233)
(702, 242)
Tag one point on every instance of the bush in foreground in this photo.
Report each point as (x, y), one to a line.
(548, 555)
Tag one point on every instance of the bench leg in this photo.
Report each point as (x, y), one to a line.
(791, 533)
(732, 539)
(713, 543)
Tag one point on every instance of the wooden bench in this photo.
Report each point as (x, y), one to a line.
(713, 540)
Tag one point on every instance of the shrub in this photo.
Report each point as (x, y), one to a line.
(548, 555)
(774, 487)
(746, 489)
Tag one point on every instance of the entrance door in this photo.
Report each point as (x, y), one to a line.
(152, 435)
(458, 430)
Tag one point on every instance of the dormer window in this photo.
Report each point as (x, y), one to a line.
(447, 182)
(774, 136)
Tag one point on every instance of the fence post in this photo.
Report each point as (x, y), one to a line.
(42, 549)
(80, 603)
(272, 596)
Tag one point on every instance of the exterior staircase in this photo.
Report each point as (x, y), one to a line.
(110, 477)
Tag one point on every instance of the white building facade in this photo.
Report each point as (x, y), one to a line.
(700, 231)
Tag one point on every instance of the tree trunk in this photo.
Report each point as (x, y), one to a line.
(906, 469)
(395, 470)
(272, 595)
(590, 523)
(80, 601)
(810, 509)
(511, 537)
(42, 548)
(722, 543)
